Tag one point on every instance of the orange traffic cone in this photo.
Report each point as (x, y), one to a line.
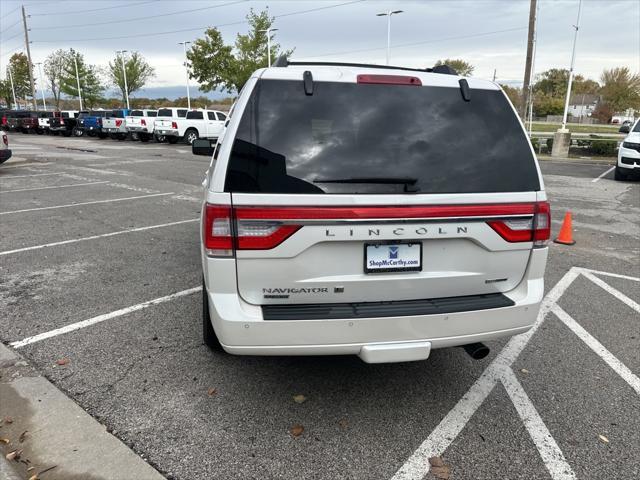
(566, 232)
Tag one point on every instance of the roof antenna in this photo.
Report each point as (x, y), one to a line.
(308, 82)
(465, 90)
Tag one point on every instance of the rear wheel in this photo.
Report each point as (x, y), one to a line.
(620, 174)
(190, 135)
(144, 137)
(172, 140)
(121, 136)
(208, 334)
(77, 132)
(160, 138)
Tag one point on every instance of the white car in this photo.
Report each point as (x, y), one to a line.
(140, 123)
(343, 213)
(167, 119)
(629, 154)
(195, 124)
(5, 152)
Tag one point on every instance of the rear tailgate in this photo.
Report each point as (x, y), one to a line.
(426, 196)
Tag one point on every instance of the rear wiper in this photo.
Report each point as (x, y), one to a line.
(379, 180)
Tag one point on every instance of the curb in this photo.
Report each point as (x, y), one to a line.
(51, 430)
(593, 161)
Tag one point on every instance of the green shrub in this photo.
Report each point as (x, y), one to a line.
(603, 147)
(549, 143)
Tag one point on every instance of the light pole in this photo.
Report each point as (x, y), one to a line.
(388, 15)
(44, 103)
(75, 62)
(186, 67)
(124, 75)
(573, 59)
(13, 90)
(268, 32)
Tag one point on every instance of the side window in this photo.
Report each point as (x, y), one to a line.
(222, 116)
(211, 115)
(182, 113)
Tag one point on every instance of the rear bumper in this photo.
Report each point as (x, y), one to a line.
(114, 130)
(242, 330)
(167, 132)
(138, 129)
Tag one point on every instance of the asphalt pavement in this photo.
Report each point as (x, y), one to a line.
(100, 265)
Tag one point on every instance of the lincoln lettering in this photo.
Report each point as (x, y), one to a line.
(398, 231)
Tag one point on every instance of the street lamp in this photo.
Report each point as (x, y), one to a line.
(75, 62)
(124, 74)
(388, 15)
(13, 90)
(268, 32)
(573, 59)
(186, 66)
(44, 103)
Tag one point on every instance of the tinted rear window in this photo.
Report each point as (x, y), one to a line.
(116, 114)
(165, 112)
(346, 136)
(194, 116)
(151, 113)
(136, 113)
(98, 113)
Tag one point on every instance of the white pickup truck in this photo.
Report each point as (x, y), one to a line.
(166, 119)
(140, 123)
(113, 124)
(195, 124)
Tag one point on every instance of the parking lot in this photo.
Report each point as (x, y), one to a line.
(100, 265)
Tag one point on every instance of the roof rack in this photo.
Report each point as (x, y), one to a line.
(283, 61)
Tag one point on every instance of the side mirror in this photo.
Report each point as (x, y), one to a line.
(624, 129)
(202, 146)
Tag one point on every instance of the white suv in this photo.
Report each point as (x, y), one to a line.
(345, 213)
(629, 154)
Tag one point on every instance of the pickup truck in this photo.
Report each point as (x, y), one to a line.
(91, 123)
(30, 123)
(140, 123)
(196, 124)
(14, 119)
(64, 123)
(43, 121)
(114, 124)
(166, 120)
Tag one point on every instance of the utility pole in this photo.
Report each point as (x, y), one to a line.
(41, 82)
(13, 90)
(573, 60)
(527, 66)
(26, 41)
(186, 67)
(75, 62)
(494, 74)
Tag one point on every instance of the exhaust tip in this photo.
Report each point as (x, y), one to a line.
(477, 351)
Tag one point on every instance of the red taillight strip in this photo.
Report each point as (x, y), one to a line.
(389, 80)
(384, 212)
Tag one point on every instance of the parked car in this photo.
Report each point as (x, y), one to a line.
(628, 164)
(90, 123)
(114, 125)
(14, 119)
(141, 122)
(64, 123)
(5, 152)
(43, 121)
(30, 123)
(348, 216)
(167, 118)
(200, 123)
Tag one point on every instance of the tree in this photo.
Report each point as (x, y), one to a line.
(603, 112)
(19, 66)
(90, 85)
(6, 95)
(554, 83)
(215, 65)
(544, 104)
(514, 94)
(460, 66)
(53, 68)
(138, 73)
(620, 89)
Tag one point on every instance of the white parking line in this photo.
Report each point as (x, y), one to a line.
(101, 318)
(610, 359)
(5, 167)
(608, 288)
(34, 175)
(94, 237)
(417, 465)
(550, 452)
(609, 274)
(86, 203)
(52, 187)
(602, 175)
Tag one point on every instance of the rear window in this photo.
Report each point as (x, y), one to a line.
(195, 116)
(65, 114)
(151, 113)
(376, 139)
(165, 112)
(97, 113)
(116, 114)
(136, 113)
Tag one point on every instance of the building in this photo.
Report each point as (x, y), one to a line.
(583, 104)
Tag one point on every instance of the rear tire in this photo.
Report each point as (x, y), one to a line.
(208, 334)
(121, 136)
(144, 137)
(619, 174)
(160, 138)
(172, 140)
(77, 132)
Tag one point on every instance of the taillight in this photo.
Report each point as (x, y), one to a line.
(226, 229)
(389, 80)
(5, 140)
(174, 125)
(535, 228)
(143, 122)
(118, 123)
(62, 121)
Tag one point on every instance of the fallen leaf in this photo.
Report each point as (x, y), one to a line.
(343, 423)
(14, 455)
(524, 370)
(603, 439)
(34, 477)
(62, 361)
(22, 436)
(299, 398)
(296, 430)
(212, 392)
(8, 419)
(5, 440)
(439, 469)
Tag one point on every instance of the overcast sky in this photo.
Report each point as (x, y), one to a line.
(491, 34)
